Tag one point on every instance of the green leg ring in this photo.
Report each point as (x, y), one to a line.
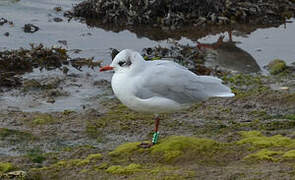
(155, 138)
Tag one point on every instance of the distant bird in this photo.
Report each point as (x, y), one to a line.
(159, 86)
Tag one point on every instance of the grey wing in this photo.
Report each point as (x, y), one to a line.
(172, 81)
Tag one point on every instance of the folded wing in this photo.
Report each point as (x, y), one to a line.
(170, 80)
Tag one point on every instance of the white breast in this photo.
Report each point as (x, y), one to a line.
(122, 87)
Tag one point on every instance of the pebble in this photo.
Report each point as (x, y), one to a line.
(30, 28)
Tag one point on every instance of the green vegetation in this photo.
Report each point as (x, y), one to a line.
(125, 149)
(43, 119)
(253, 83)
(6, 167)
(289, 154)
(257, 140)
(175, 146)
(165, 160)
(277, 66)
(263, 154)
(36, 155)
(130, 169)
(15, 135)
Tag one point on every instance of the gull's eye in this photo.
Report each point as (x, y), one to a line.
(121, 63)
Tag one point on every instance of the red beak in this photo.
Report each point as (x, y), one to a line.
(106, 68)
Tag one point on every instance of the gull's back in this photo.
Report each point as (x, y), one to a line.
(173, 81)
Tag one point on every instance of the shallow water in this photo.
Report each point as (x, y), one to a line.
(262, 44)
(250, 50)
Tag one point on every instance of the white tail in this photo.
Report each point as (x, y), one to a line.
(214, 87)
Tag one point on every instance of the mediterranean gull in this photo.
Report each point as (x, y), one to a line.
(159, 86)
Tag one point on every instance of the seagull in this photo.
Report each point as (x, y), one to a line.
(159, 86)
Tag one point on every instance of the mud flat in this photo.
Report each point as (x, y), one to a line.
(219, 139)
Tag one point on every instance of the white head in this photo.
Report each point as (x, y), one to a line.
(125, 61)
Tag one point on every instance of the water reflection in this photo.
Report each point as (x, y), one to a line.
(189, 32)
(7, 2)
(227, 55)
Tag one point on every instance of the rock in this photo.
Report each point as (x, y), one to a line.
(277, 66)
(101, 83)
(50, 83)
(57, 19)
(258, 50)
(65, 70)
(3, 21)
(16, 174)
(114, 53)
(57, 9)
(284, 88)
(63, 42)
(30, 28)
(51, 100)
(31, 84)
(213, 17)
(8, 79)
(53, 93)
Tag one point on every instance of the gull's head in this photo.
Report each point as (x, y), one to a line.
(125, 61)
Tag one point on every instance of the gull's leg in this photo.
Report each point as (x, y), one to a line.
(155, 135)
(230, 35)
(216, 45)
(156, 130)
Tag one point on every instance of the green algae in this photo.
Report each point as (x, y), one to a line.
(43, 119)
(169, 148)
(125, 149)
(253, 83)
(67, 112)
(6, 167)
(275, 125)
(15, 135)
(97, 156)
(290, 116)
(72, 163)
(156, 58)
(260, 114)
(264, 154)
(248, 134)
(289, 154)
(175, 146)
(103, 165)
(36, 155)
(243, 79)
(130, 169)
(172, 157)
(277, 66)
(257, 140)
